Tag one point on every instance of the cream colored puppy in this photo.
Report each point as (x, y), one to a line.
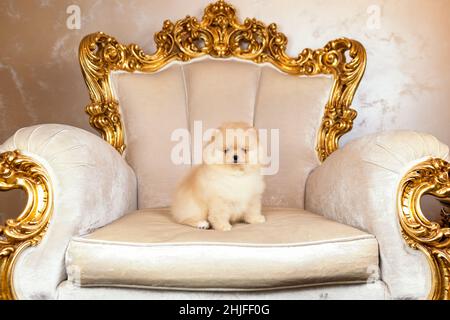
(228, 186)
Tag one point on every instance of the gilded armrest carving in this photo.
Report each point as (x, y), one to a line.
(445, 212)
(433, 239)
(18, 171)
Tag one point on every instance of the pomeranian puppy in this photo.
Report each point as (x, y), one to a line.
(228, 185)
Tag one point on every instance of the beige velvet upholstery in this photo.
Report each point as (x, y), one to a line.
(93, 186)
(214, 91)
(293, 248)
(357, 186)
(361, 291)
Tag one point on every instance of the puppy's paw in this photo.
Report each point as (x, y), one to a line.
(222, 227)
(255, 219)
(203, 225)
(225, 227)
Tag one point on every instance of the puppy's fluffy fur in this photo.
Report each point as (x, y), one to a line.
(227, 187)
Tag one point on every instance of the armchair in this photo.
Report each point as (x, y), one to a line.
(384, 175)
(75, 183)
(341, 224)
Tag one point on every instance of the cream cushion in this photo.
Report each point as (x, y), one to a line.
(359, 291)
(213, 91)
(293, 248)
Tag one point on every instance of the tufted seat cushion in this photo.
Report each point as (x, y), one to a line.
(293, 248)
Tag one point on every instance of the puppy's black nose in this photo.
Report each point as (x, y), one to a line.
(235, 158)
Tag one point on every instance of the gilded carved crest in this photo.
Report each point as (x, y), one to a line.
(221, 35)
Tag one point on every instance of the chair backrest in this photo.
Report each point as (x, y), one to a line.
(218, 70)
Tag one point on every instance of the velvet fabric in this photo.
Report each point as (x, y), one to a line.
(293, 248)
(93, 186)
(357, 185)
(360, 291)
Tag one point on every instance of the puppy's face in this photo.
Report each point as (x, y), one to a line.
(235, 145)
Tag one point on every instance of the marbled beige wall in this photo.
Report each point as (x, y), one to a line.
(406, 84)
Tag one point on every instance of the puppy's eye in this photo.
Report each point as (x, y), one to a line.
(245, 150)
(226, 150)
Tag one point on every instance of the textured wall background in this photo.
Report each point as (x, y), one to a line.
(406, 85)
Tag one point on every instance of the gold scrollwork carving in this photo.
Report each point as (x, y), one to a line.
(21, 172)
(433, 239)
(445, 212)
(221, 35)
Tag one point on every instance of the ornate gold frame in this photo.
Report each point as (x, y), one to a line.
(221, 35)
(433, 239)
(18, 171)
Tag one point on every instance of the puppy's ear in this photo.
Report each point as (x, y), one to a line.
(211, 135)
(264, 159)
(259, 153)
(210, 154)
(252, 142)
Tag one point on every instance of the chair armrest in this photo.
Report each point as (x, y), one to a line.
(75, 182)
(367, 184)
